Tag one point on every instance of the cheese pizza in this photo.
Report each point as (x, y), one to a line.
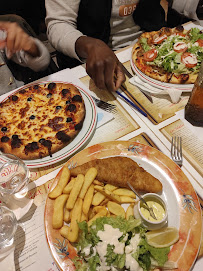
(170, 55)
(40, 119)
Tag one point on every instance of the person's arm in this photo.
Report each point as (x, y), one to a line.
(16, 39)
(36, 63)
(102, 65)
(22, 48)
(186, 7)
(101, 62)
(61, 21)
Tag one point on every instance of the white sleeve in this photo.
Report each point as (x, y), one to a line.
(61, 21)
(38, 63)
(186, 7)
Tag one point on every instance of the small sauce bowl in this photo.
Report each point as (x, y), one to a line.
(159, 208)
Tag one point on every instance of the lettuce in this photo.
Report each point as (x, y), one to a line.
(145, 46)
(195, 34)
(120, 223)
(117, 260)
(145, 252)
(93, 262)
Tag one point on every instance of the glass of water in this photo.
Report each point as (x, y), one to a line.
(14, 175)
(8, 226)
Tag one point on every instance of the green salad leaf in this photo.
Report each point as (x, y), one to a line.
(195, 34)
(145, 46)
(145, 252)
(89, 242)
(117, 260)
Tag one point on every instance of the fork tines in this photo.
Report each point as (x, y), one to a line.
(105, 106)
(176, 150)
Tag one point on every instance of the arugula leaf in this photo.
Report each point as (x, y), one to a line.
(195, 34)
(145, 46)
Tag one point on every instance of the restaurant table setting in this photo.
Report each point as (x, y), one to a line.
(141, 129)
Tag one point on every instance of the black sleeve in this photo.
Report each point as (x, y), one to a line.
(149, 15)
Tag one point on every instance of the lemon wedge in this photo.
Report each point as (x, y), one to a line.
(163, 237)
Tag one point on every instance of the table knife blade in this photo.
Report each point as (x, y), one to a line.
(129, 75)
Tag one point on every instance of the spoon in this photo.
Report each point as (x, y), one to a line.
(150, 209)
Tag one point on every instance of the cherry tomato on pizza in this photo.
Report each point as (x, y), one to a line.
(200, 42)
(159, 39)
(150, 55)
(180, 34)
(180, 47)
(189, 59)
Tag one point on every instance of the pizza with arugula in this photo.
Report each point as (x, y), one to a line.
(170, 55)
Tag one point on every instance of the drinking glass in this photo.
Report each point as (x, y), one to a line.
(8, 226)
(14, 175)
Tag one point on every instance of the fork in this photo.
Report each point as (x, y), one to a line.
(104, 105)
(176, 150)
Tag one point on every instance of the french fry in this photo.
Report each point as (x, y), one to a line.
(71, 213)
(108, 214)
(110, 187)
(66, 216)
(126, 199)
(100, 214)
(98, 209)
(91, 213)
(73, 230)
(67, 189)
(96, 182)
(129, 211)
(57, 219)
(116, 209)
(75, 191)
(124, 192)
(88, 199)
(97, 198)
(98, 188)
(89, 178)
(104, 202)
(84, 217)
(108, 194)
(64, 231)
(62, 182)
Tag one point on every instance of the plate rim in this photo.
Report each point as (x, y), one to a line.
(156, 83)
(38, 163)
(97, 148)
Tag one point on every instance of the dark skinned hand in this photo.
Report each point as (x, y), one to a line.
(102, 65)
(17, 40)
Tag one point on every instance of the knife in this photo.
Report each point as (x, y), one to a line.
(129, 75)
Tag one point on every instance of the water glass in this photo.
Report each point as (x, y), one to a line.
(8, 226)
(14, 175)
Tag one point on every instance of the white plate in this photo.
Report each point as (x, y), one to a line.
(159, 84)
(83, 136)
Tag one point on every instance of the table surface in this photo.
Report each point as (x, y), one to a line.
(140, 125)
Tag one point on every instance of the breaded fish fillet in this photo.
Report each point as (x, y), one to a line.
(118, 170)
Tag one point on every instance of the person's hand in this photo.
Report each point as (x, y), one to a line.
(102, 65)
(17, 39)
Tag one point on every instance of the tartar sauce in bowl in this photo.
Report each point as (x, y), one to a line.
(159, 208)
